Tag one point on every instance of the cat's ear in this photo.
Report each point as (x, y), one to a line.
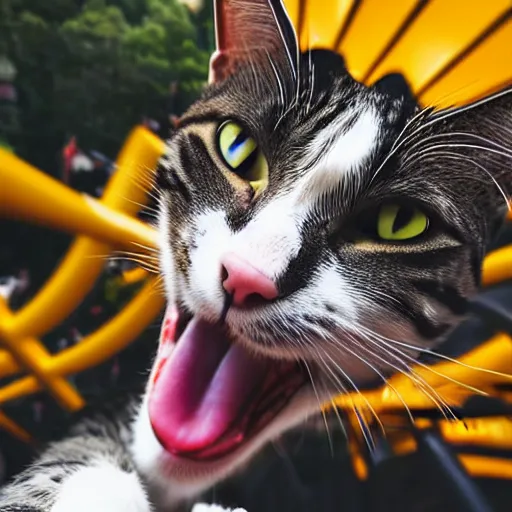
(248, 30)
(395, 85)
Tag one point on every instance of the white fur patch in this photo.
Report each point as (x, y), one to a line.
(203, 507)
(146, 449)
(268, 243)
(272, 238)
(165, 252)
(330, 286)
(212, 238)
(342, 155)
(102, 488)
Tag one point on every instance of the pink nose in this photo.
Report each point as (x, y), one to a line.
(242, 280)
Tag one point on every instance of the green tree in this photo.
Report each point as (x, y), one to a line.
(96, 68)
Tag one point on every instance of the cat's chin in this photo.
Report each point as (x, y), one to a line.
(176, 479)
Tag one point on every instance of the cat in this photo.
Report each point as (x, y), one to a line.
(316, 235)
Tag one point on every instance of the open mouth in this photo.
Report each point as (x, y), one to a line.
(209, 396)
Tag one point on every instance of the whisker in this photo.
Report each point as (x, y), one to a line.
(147, 186)
(282, 101)
(320, 405)
(399, 142)
(379, 373)
(146, 265)
(435, 117)
(430, 392)
(362, 424)
(354, 386)
(311, 70)
(433, 148)
(365, 430)
(504, 151)
(418, 380)
(428, 368)
(144, 207)
(446, 113)
(147, 248)
(340, 420)
(142, 263)
(446, 154)
(442, 356)
(148, 257)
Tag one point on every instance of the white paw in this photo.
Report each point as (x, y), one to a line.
(101, 488)
(204, 507)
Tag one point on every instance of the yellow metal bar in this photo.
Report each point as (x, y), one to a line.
(481, 368)
(475, 367)
(113, 336)
(359, 466)
(487, 467)
(98, 346)
(8, 365)
(321, 26)
(34, 196)
(377, 21)
(33, 356)
(21, 387)
(494, 432)
(478, 466)
(28, 190)
(84, 261)
(134, 275)
(62, 292)
(128, 188)
(480, 73)
(421, 62)
(497, 266)
(14, 429)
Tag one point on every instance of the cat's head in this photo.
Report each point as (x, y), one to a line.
(312, 229)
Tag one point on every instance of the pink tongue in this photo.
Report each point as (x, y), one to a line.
(201, 389)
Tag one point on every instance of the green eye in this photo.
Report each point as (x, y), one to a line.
(395, 222)
(242, 155)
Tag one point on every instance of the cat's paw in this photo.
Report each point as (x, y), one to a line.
(103, 488)
(204, 507)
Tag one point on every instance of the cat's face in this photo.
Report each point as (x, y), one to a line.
(313, 230)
